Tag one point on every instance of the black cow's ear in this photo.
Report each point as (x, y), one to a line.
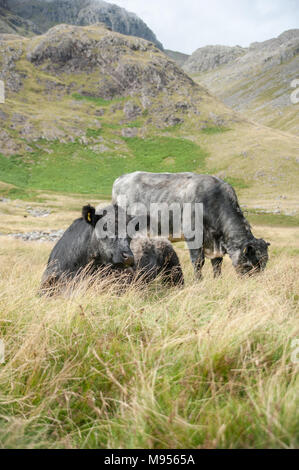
(88, 214)
(268, 244)
(249, 249)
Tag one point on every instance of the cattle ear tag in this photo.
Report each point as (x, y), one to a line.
(245, 250)
(89, 217)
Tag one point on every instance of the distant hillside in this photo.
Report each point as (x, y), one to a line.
(211, 57)
(27, 17)
(178, 57)
(255, 80)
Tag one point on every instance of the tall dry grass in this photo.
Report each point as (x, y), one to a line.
(206, 366)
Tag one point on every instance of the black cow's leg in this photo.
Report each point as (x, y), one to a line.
(217, 264)
(198, 260)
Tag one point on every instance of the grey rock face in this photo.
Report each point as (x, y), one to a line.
(7, 144)
(43, 14)
(10, 56)
(173, 121)
(129, 132)
(211, 57)
(131, 110)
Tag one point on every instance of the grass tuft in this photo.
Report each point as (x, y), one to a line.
(212, 130)
(96, 100)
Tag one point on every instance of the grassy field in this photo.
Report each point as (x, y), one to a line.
(74, 167)
(206, 366)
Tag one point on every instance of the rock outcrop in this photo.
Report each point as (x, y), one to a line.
(71, 49)
(211, 57)
(128, 75)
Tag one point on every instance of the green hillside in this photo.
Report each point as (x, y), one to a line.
(76, 168)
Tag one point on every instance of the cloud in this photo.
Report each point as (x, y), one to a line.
(189, 24)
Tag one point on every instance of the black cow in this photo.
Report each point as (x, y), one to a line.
(225, 229)
(86, 247)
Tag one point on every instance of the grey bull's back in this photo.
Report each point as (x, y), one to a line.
(164, 187)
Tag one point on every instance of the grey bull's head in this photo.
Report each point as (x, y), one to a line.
(252, 257)
(109, 244)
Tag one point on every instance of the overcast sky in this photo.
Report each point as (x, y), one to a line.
(185, 25)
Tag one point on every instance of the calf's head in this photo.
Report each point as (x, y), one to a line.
(252, 257)
(110, 243)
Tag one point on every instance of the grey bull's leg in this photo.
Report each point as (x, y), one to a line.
(198, 260)
(217, 264)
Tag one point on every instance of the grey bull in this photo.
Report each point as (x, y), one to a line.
(225, 229)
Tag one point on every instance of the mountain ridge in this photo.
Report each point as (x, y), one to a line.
(218, 55)
(255, 80)
(28, 17)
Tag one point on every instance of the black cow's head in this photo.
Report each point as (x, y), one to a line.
(252, 257)
(110, 243)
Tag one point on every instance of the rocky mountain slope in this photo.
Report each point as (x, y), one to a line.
(85, 104)
(178, 57)
(27, 17)
(255, 80)
(211, 57)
